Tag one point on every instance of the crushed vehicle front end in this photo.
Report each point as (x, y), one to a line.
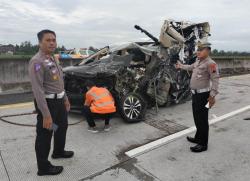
(141, 74)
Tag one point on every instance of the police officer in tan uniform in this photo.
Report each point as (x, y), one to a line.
(205, 70)
(51, 104)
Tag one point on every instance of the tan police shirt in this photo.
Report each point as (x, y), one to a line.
(46, 77)
(204, 72)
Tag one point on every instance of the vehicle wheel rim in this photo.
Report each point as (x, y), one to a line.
(132, 107)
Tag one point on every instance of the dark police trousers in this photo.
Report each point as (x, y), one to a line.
(90, 116)
(43, 139)
(200, 114)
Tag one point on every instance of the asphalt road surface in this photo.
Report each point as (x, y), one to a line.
(101, 157)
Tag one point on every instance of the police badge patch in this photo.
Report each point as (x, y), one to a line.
(55, 77)
(213, 68)
(37, 67)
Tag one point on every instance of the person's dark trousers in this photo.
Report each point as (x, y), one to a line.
(90, 116)
(200, 114)
(43, 139)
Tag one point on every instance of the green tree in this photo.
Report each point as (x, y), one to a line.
(215, 52)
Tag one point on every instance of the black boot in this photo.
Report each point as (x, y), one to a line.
(52, 170)
(192, 140)
(198, 148)
(65, 154)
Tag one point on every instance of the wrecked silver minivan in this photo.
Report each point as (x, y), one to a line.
(140, 74)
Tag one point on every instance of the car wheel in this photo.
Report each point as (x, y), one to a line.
(132, 107)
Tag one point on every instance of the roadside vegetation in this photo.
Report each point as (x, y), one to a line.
(27, 50)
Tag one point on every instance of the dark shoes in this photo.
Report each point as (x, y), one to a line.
(198, 148)
(55, 170)
(107, 128)
(93, 129)
(65, 154)
(192, 140)
(52, 170)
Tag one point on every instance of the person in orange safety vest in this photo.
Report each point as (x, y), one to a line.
(98, 103)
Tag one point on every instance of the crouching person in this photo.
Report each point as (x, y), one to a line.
(99, 103)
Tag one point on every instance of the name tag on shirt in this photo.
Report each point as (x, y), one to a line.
(49, 64)
(54, 71)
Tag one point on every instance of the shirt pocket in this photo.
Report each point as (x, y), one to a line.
(202, 70)
(52, 73)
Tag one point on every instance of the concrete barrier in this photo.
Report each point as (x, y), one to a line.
(14, 72)
(14, 75)
(233, 65)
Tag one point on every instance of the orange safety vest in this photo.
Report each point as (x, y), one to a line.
(100, 100)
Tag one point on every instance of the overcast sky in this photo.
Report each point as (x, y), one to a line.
(81, 23)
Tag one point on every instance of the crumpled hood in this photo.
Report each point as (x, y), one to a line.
(107, 66)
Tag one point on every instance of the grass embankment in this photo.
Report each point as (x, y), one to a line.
(6, 57)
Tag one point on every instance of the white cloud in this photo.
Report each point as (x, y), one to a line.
(31, 11)
(94, 22)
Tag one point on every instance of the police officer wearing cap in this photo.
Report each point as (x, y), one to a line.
(205, 70)
(51, 104)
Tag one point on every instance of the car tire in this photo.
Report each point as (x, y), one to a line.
(132, 107)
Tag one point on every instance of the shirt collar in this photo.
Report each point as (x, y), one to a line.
(203, 61)
(44, 55)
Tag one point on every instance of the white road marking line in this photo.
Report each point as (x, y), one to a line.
(214, 116)
(160, 142)
(17, 105)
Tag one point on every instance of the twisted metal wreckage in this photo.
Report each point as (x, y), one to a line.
(141, 74)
